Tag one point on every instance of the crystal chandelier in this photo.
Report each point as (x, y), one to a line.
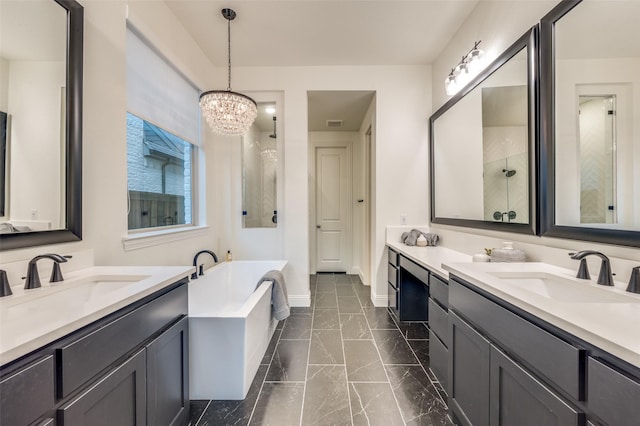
(228, 112)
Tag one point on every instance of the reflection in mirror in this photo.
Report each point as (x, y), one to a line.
(594, 151)
(259, 170)
(482, 148)
(41, 93)
(33, 80)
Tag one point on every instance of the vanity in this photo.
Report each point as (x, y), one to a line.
(109, 345)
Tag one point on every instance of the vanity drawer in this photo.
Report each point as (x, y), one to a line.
(439, 290)
(27, 394)
(84, 358)
(392, 275)
(414, 269)
(393, 257)
(551, 356)
(439, 321)
(612, 396)
(439, 360)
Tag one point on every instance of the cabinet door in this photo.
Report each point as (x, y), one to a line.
(517, 398)
(168, 376)
(28, 393)
(469, 362)
(119, 398)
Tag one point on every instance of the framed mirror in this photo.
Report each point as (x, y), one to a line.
(260, 169)
(590, 106)
(482, 147)
(41, 82)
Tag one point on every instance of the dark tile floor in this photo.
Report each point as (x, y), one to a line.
(340, 362)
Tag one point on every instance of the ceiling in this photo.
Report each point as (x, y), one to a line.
(325, 32)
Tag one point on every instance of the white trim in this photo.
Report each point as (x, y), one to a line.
(300, 300)
(158, 237)
(380, 301)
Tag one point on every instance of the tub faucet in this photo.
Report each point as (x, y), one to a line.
(194, 276)
(605, 277)
(33, 278)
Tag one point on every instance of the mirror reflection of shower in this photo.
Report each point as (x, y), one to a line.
(597, 141)
(259, 170)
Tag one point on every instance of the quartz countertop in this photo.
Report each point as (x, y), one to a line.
(606, 317)
(431, 257)
(33, 318)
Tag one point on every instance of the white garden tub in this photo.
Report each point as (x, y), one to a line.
(230, 326)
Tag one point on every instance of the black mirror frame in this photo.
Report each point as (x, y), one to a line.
(73, 173)
(547, 145)
(528, 41)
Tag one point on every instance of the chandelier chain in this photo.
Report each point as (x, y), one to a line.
(229, 53)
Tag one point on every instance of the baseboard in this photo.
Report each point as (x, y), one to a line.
(300, 300)
(380, 301)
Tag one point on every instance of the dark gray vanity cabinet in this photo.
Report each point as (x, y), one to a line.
(118, 398)
(128, 368)
(613, 396)
(392, 280)
(413, 291)
(439, 329)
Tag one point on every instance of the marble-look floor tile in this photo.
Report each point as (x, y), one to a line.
(234, 413)
(326, 347)
(414, 330)
(326, 319)
(379, 319)
(326, 399)
(421, 349)
(279, 404)
(196, 408)
(365, 300)
(355, 280)
(266, 359)
(363, 362)
(343, 279)
(349, 305)
(344, 290)
(393, 347)
(354, 326)
(298, 326)
(326, 287)
(325, 278)
(304, 310)
(326, 300)
(289, 362)
(373, 404)
(419, 401)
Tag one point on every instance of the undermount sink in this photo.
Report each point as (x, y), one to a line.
(561, 289)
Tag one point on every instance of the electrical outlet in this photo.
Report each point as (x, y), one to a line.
(34, 214)
(403, 219)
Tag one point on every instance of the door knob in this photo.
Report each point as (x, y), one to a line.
(318, 226)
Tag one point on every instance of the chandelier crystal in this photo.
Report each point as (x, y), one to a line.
(227, 112)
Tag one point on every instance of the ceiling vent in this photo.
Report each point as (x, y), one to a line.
(334, 123)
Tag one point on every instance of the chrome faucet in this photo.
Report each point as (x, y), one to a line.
(605, 277)
(33, 278)
(194, 276)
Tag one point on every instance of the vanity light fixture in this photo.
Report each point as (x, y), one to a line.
(468, 67)
(228, 112)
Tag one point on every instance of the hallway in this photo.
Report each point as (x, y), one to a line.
(340, 362)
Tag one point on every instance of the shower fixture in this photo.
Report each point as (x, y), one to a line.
(508, 173)
(274, 135)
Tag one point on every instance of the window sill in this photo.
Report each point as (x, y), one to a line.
(159, 237)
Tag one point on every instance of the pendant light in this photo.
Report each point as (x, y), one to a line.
(228, 112)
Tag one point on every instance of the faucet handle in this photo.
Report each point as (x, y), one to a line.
(634, 281)
(5, 288)
(605, 277)
(56, 273)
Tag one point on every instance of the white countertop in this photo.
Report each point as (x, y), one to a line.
(607, 317)
(431, 257)
(33, 318)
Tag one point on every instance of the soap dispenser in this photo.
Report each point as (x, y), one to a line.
(228, 255)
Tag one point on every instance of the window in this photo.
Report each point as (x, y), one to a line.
(162, 139)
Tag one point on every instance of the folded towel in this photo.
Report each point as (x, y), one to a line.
(279, 300)
(410, 238)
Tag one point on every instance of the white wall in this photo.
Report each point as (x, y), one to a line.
(104, 134)
(498, 24)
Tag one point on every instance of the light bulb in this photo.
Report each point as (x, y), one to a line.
(450, 84)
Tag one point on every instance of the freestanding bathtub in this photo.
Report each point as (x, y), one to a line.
(230, 326)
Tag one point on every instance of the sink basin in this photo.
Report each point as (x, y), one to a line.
(561, 289)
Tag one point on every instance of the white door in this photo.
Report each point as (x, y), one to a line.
(332, 209)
